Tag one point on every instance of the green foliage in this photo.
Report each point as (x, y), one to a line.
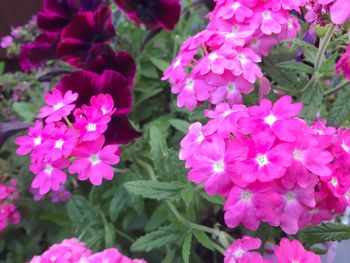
(341, 108)
(325, 232)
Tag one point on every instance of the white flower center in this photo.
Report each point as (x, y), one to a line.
(58, 106)
(59, 144)
(262, 160)
(219, 167)
(270, 119)
(345, 147)
(91, 127)
(48, 169)
(239, 253)
(231, 87)
(213, 56)
(298, 155)
(94, 159)
(37, 141)
(266, 15)
(200, 138)
(104, 111)
(334, 181)
(290, 196)
(246, 195)
(189, 84)
(242, 58)
(235, 6)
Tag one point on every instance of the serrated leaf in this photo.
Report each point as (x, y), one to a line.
(159, 148)
(297, 66)
(109, 235)
(341, 108)
(153, 190)
(156, 239)
(312, 100)
(215, 199)
(149, 71)
(161, 64)
(203, 239)
(180, 125)
(80, 210)
(187, 196)
(186, 247)
(25, 110)
(118, 202)
(325, 232)
(311, 49)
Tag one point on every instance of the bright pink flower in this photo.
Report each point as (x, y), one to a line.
(344, 64)
(213, 163)
(48, 175)
(236, 10)
(58, 105)
(103, 103)
(268, 21)
(191, 143)
(258, 202)
(112, 255)
(293, 251)
(239, 251)
(94, 161)
(340, 12)
(266, 160)
(278, 118)
(31, 141)
(60, 141)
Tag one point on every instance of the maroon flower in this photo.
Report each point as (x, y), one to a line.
(83, 34)
(87, 84)
(36, 53)
(154, 14)
(121, 62)
(57, 14)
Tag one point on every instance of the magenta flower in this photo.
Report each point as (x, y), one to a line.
(102, 103)
(293, 251)
(31, 141)
(83, 34)
(58, 105)
(153, 14)
(48, 175)
(94, 161)
(268, 21)
(240, 251)
(57, 14)
(191, 143)
(213, 165)
(266, 160)
(278, 118)
(343, 64)
(340, 12)
(62, 195)
(111, 255)
(250, 205)
(6, 42)
(34, 54)
(60, 141)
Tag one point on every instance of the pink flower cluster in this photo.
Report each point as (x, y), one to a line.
(73, 251)
(287, 252)
(338, 9)
(8, 211)
(343, 64)
(270, 165)
(55, 144)
(221, 63)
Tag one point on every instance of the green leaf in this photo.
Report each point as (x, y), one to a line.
(156, 239)
(186, 247)
(161, 64)
(118, 202)
(80, 210)
(309, 49)
(187, 195)
(325, 232)
(215, 199)
(25, 110)
(109, 235)
(297, 66)
(2, 68)
(341, 108)
(312, 100)
(159, 148)
(153, 190)
(180, 125)
(149, 71)
(203, 239)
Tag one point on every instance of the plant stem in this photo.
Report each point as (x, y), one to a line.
(337, 88)
(320, 53)
(127, 237)
(70, 125)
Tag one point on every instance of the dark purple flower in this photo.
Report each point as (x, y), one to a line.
(83, 34)
(36, 53)
(62, 195)
(57, 14)
(120, 131)
(154, 14)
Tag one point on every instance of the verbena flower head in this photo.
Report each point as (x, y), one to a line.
(153, 14)
(8, 211)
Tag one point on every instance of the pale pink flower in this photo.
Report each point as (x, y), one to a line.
(293, 251)
(268, 21)
(191, 143)
(48, 175)
(340, 12)
(94, 161)
(58, 105)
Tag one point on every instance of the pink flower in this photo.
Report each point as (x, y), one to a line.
(94, 161)
(214, 162)
(112, 255)
(278, 118)
(103, 103)
(293, 251)
(31, 141)
(239, 251)
(250, 205)
(266, 160)
(344, 64)
(268, 21)
(58, 105)
(340, 12)
(48, 175)
(6, 42)
(237, 10)
(191, 143)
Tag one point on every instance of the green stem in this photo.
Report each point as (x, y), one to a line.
(127, 237)
(337, 88)
(324, 42)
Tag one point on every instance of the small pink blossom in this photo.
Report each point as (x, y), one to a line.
(343, 64)
(31, 141)
(58, 105)
(94, 161)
